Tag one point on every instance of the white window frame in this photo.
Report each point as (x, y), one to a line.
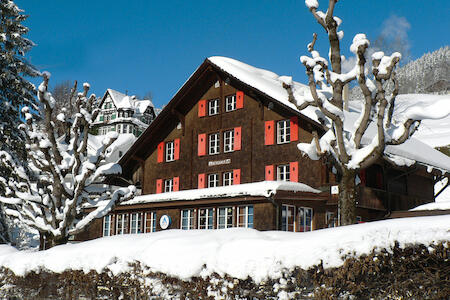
(122, 223)
(136, 222)
(213, 180)
(230, 103)
(285, 225)
(208, 218)
(283, 172)
(283, 131)
(247, 212)
(303, 221)
(224, 212)
(214, 143)
(150, 217)
(228, 141)
(227, 178)
(168, 185)
(213, 107)
(170, 151)
(107, 225)
(189, 218)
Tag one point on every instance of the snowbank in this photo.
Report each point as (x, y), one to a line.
(237, 252)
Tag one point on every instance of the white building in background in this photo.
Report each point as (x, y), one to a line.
(124, 114)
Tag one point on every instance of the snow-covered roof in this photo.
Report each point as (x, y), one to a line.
(129, 102)
(265, 81)
(263, 188)
(414, 149)
(271, 84)
(445, 205)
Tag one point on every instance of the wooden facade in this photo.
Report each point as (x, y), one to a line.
(190, 141)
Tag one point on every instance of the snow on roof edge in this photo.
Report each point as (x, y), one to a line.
(263, 188)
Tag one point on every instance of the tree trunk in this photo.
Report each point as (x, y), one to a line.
(347, 198)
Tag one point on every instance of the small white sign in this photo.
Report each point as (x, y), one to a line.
(219, 162)
(334, 189)
(165, 221)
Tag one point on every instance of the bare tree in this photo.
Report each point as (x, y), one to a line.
(344, 144)
(64, 173)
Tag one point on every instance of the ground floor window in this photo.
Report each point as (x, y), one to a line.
(108, 225)
(187, 219)
(245, 216)
(288, 218)
(136, 223)
(122, 224)
(225, 217)
(331, 219)
(305, 219)
(150, 222)
(205, 218)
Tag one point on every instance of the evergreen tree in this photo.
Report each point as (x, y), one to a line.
(15, 91)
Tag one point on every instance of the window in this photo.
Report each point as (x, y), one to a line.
(305, 219)
(230, 103)
(107, 225)
(213, 180)
(225, 217)
(150, 222)
(283, 131)
(283, 173)
(245, 216)
(288, 218)
(330, 219)
(170, 151)
(213, 107)
(227, 178)
(122, 224)
(136, 223)
(187, 219)
(214, 143)
(228, 137)
(205, 218)
(168, 185)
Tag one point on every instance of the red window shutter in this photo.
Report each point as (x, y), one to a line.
(293, 171)
(237, 176)
(362, 177)
(294, 128)
(201, 180)
(202, 144)
(202, 108)
(270, 172)
(237, 138)
(176, 184)
(176, 144)
(159, 186)
(239, 99)
(269, 132)
(160, 156)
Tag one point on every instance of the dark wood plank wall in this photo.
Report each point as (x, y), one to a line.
(251, 159)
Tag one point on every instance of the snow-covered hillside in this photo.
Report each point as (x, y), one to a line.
(238, 252)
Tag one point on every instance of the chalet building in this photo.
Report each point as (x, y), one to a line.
(223, 153)
(124, 114)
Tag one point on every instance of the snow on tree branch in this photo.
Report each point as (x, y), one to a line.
(348, 142)
(66, 175)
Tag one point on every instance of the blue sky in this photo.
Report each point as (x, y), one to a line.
(140, 46)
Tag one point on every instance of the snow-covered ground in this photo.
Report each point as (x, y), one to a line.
(238, 252)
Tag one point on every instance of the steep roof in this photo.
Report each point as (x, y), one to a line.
(127, 102)
(270, 85)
